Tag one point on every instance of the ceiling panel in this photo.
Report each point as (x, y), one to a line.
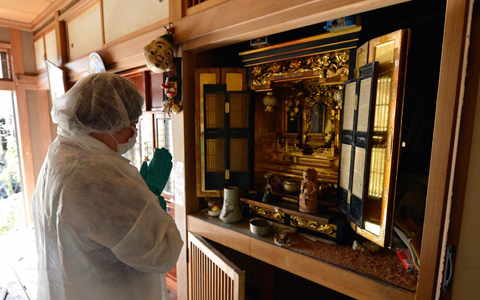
(29, 6)
(16, 15)
(22, 11)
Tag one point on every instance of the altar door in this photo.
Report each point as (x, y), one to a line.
(210, 274)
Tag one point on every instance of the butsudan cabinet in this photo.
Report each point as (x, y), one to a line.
(323, 103)
(438, 61)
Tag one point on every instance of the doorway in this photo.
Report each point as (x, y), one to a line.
(18, 275)
(17, 239)
(12, 206)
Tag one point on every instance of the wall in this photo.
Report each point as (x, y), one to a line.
(32, 102)
(28, 53)
(35, 133)
(4, 35)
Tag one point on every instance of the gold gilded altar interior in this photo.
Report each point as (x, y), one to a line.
(302, 129)
(322, 103)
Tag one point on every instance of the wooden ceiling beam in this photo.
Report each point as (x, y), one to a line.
(15, 24)
(48, 13)
(77, 9)
(259, 18)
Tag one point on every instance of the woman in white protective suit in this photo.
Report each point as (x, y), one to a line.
(100, 232)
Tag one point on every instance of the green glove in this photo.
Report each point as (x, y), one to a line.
(156, 173)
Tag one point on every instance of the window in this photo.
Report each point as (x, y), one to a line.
(5, 73)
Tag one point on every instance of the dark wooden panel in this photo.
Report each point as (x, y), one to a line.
(141, 82)
(157, 92)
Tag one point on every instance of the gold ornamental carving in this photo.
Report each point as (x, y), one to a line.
(328, 229)
(276, 214)
(325, 65)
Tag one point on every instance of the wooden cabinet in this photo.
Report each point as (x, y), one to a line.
(212, 275)
(391, 86)
(238, 237)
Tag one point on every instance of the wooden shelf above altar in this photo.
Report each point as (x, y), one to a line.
(299, 76)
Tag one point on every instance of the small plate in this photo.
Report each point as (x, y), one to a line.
(214, 213)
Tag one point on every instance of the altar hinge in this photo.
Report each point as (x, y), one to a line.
(227, 107)
(227, 174)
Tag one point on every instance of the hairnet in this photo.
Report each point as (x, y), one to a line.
(102, 103)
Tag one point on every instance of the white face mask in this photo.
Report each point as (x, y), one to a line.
(123, 148)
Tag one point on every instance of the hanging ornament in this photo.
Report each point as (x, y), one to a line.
(269, 101)
(170, 87)
(159, 58)
(159, 52)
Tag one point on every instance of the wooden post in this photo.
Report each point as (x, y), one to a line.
(61, 38)
(23, 124)
(444, 145)
(45, 120)
(184, 128)
(176, 10)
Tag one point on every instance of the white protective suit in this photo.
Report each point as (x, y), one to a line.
(100, 232)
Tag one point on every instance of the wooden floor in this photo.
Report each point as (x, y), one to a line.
(172, 286)
(18, 264)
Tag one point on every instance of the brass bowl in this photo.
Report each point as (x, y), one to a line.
(260, 226)
(292, 185)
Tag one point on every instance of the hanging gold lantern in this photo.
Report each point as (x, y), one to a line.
(269, 101)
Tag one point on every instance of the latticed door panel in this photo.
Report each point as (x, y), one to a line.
(203, 77)
(371, 119)
(227, 138)
(211, 275)
(358, 116)
(239, 139)
(215, 135)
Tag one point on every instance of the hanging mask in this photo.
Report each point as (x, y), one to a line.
(159, 53)
(125, 147)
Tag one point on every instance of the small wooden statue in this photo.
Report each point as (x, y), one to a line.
(308, 191)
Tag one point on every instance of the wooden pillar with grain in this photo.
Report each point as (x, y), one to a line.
(23, 124)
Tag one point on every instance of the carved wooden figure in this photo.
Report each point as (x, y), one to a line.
(308, 191)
